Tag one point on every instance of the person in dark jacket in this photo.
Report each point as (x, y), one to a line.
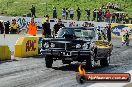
(54, 12)
(33, 11)
(99, 16)
(67, 12)
(88, 14)
(1, 27)
(109, 33)
(7, 27)
(78, 14)
(46, 31)
(94, 15)
(58, 26)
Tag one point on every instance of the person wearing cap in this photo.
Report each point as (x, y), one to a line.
(46, 31)
(32, 28)
(58, 26)
(14, 27)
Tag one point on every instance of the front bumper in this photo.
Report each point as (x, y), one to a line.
(66, 53)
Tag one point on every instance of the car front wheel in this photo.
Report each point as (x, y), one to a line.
(90, 62)
(49, 61)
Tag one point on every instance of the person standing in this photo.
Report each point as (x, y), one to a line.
(126, 19)
(46, 31)
(78, 13)
(125, 39)
(1, 27)
(107, 16)
(99, 16)
(58, 26)
(99, 35)
(117, 18)
(33, 11)
(113, 18)
(109, 33)
(88, 14)
(7, 25)
(67, 11)
(14, 27)
(103, 35)
(71, 11)
(63, 13)
(32, 28)
(94, 14)
(54, 12)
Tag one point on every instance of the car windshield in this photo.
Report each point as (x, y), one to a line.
(77, 32)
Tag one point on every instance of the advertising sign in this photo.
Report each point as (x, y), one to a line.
(120, 30)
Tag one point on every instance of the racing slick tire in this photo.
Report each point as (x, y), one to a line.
(90, 62)
(105, 61)
(48, 61)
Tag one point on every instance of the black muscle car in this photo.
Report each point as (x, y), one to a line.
(76, 44)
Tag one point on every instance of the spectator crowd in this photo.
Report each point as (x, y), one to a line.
(102, 14)
(9, 28)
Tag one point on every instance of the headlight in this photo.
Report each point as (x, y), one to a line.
(52, 45)
(85, 46)
(78, 46)
(46, 45)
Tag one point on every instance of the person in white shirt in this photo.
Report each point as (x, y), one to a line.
(71, 12)
(63, 13)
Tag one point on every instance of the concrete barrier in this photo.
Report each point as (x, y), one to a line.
(26, 47)
(5, 53)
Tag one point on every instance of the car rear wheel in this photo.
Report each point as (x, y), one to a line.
(49, 61)
(90, 62)
(105, 61)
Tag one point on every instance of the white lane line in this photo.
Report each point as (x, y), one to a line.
(111, 84)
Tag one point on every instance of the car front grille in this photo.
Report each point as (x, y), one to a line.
(66, 46)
